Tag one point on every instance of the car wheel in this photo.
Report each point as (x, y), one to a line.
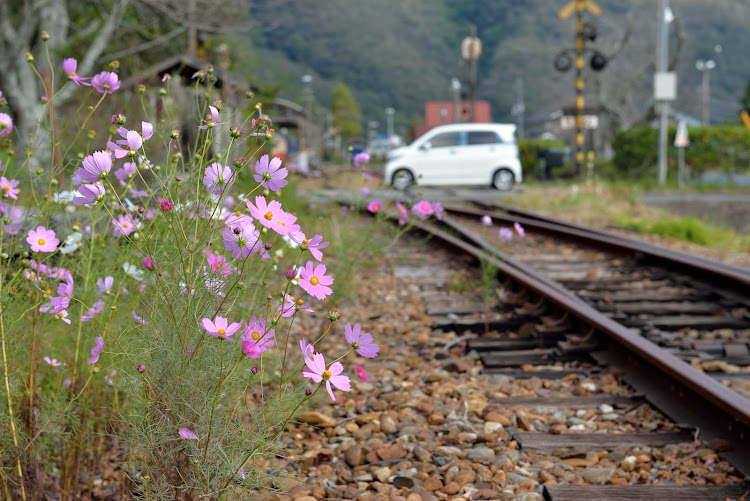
(503, 180)
(402, 179)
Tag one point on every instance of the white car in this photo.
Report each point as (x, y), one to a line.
(458, 154)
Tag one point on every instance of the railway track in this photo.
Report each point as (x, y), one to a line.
(610, 340)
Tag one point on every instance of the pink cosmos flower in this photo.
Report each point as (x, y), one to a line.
(331, 376)
(166, 205)
(139, 319)
(422, 209)
(437, 207)
(62, 300)
(105, 285)
(361, 342)
(220, 327)
(361, 158)
(272, 216)
(486, 221)
(63, 315)
(270, 174)
(290, 305)
(8, 187)
(125, 173)
(12, 218)
(505, 234)
(361, 373)
(217, 176)
(128, 146)
(314, 280)
(257, 338)
(519, 229)
(219, 263)
(53, 362)
(96, 350)
(187, 434)
(95, 167)
(147, 130)
(313, 245)
(375, 206)
(105, 82)
(93, 311)
(404, 213)
(6, 124)
(89, 194)
(149, 263)
(42, 240)
(124, 225)
(243, 241)
(212, 120)
(70, 65)
(307, 349)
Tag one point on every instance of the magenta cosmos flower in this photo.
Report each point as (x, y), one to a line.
(314, 280)
(89, 194)
(6, 124)
(313, 244)
(519, 229)
(307, 349)
(125, 173)
(361, 158)
(128, 146)
(486, 221)
(95, 167)
(124, 225)
(272, 216)
(62, 300)
(270, 174)
(70, 65)
(375, 206)
(217, 176)
(257, 338)
(12, 217)
(422, 209)
(8, 187)
(290, 305)
(220, 327)
(187, 434)
(42, 240)
(219, 264)
(105, 82)
(243, 241)
(96, 350)
(331, 376)
(361, 342)
(505, 234)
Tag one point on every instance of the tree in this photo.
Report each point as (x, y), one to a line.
(347, 117)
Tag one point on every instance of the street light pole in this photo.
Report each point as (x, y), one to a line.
(705, 68)
(389, 112)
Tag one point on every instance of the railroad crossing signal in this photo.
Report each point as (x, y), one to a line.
(584, 31)
(579, 6)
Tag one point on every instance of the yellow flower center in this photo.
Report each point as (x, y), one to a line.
(305, 241)
(60, 315)
(327, 374)
(222, 331)
(268, 215)
(301, 301)
(239, 213)
(314, 280)
(124, 225)
(6, 187)
(42, 241)
(255, 335)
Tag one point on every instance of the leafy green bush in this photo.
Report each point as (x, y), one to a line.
(527, 150)
(722, 147)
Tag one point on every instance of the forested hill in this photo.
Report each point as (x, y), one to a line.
(401, 53)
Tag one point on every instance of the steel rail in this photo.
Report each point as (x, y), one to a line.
(737, 274)
(716, 410)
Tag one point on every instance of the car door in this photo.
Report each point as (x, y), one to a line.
(438, 158)
(479, 156)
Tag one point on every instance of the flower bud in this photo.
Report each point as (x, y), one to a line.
(218, 104)
(291, 273)
(162, 91)
(141, 210)
(254, 369)
(45, 36)
(141, 368)
(114, 65)
(175, 134)
(149, 263)
(234, 132)
(141, 89)
(333, 314)
(178, 178)
(29, 57)
(267, 246)
(210, 71)
(237, 230)
(308, 392)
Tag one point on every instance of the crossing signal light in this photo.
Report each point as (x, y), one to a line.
(598, 61)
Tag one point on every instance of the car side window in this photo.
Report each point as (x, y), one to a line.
(446, 140)
(483, 137)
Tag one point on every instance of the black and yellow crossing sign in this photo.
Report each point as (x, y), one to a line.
(579, 6)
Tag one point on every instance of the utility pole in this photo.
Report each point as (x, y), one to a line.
(519, 108)
(665, 86)
(471, 51)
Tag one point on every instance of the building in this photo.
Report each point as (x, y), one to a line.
(444, 112)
